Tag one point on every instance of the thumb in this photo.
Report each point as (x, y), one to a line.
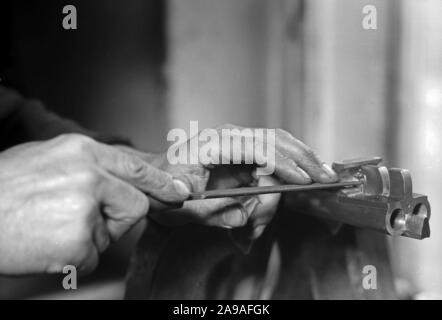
(131, 168)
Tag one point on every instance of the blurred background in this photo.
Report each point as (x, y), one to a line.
(139, 68)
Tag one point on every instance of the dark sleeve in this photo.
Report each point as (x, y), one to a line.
(23, 120)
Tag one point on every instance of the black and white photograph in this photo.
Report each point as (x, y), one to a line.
(221, 155)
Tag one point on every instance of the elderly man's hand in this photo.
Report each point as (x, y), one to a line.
(62, 201)
(294, 162)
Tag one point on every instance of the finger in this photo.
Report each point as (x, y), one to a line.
(289, 171)
(305, 157)
(222, 212)
(261, 139)
(132, 169)
(232, 216)
(122, 205)
(243, 237)
(233, 213)
(266, 208)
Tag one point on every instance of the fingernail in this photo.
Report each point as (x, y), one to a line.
(330, 173)
(304, 174)
(181, 188)
(235, 218)
(257, 232)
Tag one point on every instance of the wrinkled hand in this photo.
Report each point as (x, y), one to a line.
(62, 201)
(294, 162)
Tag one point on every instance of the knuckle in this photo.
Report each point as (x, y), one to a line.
(135, 167)
(226, 126)
(299, 143)
(83, 207)
(282, 132)
(308, 153)
(88, 177)
(76, 142)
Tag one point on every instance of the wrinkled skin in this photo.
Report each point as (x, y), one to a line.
(63, 200)
(294, 163)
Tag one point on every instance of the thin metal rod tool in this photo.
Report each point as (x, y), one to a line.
(246, 191)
